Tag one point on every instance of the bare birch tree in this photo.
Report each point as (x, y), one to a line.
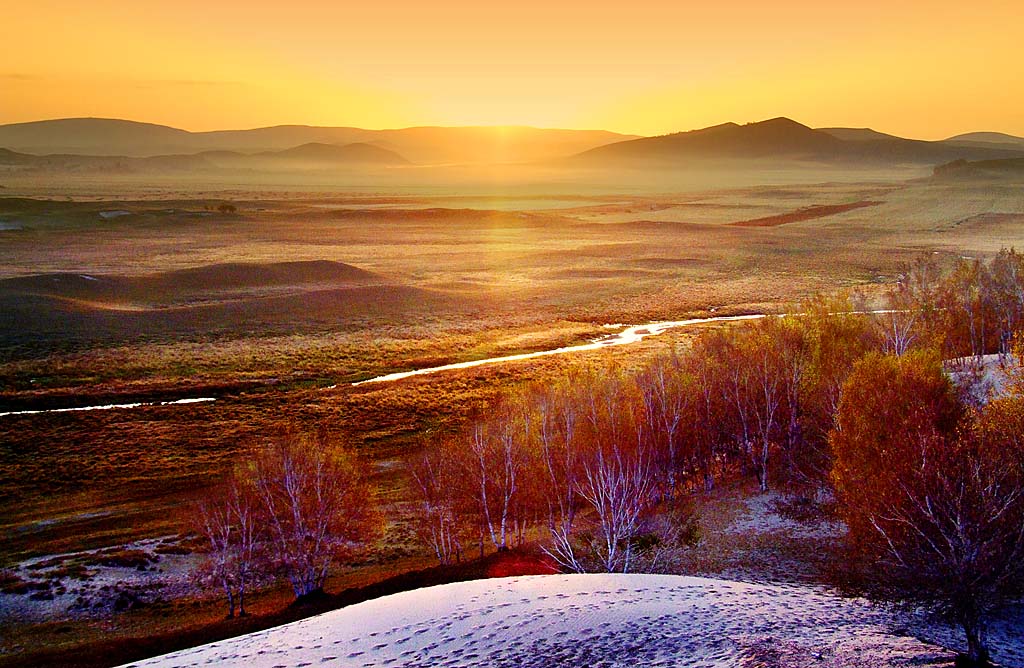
(315, 503)
(665, 390)
(498, 449)
(617, 486)
(560, 455)
(235, 561)
(764, 355)
(441, 525)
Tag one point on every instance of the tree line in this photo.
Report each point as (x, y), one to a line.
(589, 460)
(969, 310)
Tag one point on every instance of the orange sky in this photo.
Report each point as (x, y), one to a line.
(920, 69)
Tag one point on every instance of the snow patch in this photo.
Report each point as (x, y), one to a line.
(582, 620)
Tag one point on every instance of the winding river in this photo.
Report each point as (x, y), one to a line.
(630, 334)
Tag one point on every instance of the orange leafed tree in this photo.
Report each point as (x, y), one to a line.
(315, 504)
(933, 494)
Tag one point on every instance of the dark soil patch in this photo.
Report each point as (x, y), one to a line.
(807, 213)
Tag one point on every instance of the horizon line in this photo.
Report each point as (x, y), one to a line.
(477, 126)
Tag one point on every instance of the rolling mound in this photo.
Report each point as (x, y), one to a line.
(582, 620)
(41, 321)
(192, 284)
(215, 300)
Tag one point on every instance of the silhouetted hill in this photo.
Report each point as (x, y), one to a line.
(858, 134)
(92, 136)
(781, 139)
(773, 138)
(422, 145)
(988, 139)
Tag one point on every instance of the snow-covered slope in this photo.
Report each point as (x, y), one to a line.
(582, 620)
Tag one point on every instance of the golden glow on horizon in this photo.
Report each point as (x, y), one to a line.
(919, 69)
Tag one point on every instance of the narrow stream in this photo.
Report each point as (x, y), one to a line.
(631, 334)
(106, 407)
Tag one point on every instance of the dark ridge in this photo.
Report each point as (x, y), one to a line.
(980, 169)
(807, 213)
(774, 137)
(781, 139)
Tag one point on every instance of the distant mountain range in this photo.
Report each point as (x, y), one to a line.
(785, 139)
(421, 145)
(112, 146)
(311, 156)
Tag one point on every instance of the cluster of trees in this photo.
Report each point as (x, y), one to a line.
(975, 308)
(577, 459)
(930, 481)
(600, 466)
(288, 511)
(932, 489)
(597, 462)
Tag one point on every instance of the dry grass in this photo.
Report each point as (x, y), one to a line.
(479, 277)
(499, 281)
(739, 542)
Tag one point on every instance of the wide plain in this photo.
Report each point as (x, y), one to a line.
(274, 302)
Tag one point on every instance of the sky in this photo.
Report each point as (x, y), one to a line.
(919, 69)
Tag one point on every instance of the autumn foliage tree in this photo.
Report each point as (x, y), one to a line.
(314, 505)
(933, 494)
(888, 404)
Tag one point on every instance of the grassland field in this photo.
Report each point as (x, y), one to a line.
(129, 294)
(268, 306)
